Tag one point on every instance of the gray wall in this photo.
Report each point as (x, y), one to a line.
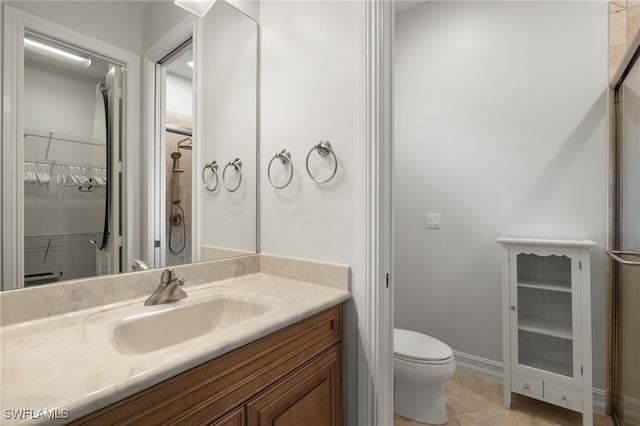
(500, 114)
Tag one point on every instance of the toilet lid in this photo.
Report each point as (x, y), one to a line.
(413, 345)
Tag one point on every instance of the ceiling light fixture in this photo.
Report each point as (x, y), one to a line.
(199, 7)
(57, 52)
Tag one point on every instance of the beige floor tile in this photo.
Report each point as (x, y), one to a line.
(602, 420)
(472, 401)
(618, 27)
(633, 23)
(469, 393)
(546, 413)
(500, 418)
(401, 421)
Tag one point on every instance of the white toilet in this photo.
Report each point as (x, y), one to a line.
(420, 365)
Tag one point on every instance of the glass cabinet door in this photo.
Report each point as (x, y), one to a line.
(543, 314)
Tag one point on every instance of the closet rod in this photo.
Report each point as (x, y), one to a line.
(88, 234)
(65, 139)
(64, 163)
(180, 130)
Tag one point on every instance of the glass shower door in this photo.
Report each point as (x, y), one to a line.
(627, 269)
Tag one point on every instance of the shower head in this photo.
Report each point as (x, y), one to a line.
(188, 145)
(176, 155)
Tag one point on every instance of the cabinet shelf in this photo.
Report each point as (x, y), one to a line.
(544, 326)
(545, 365)
(563, 286)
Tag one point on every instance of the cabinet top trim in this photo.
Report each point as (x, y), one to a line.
(546, 242)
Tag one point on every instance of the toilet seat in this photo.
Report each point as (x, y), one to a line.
(411, 346)
(420, 365)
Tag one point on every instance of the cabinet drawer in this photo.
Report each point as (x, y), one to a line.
(526, 385)
(563, 396)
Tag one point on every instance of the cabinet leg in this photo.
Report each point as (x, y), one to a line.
(587, 419)
(506, 397)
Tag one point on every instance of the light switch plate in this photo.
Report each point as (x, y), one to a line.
(433, 221)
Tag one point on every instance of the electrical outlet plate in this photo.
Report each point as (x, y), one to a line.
(433, 221)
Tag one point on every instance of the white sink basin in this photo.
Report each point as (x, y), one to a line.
(135, 329)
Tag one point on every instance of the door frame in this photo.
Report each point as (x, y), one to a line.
(376, 389)
(154, 172)
(631, 59)
(16, 22)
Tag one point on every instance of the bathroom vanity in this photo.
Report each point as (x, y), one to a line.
(263, 345)
(293, 376)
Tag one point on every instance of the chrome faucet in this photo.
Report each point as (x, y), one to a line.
(168, 290)
(138, 265)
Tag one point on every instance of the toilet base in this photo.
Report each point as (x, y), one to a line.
(420, 402)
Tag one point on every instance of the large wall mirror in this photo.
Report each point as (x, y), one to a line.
(76, 153)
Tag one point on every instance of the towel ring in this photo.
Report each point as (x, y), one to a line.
(213, 166)
(237, 164)
(324, 149)
(285, 157)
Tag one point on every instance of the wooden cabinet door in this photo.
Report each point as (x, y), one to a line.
(311, 396)
(236, 418)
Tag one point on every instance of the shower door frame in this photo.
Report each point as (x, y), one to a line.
(16, 22)
(631, 59)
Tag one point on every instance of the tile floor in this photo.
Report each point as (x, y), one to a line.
(473, 401)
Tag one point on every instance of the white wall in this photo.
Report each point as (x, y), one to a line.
(59, 101)
(251, 8)
(500, 114)
(312, 88)
(116, 22)
(179, 95)
(160, 16)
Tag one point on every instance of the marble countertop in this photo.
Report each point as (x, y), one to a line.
(66, 366)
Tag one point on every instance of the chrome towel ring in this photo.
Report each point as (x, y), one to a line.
(285, 158)
(213, 166)
(236, 164)
(324, 149)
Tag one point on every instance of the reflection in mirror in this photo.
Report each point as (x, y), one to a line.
(228, 90)
(70, 145)
(178, 103)
(85, 211)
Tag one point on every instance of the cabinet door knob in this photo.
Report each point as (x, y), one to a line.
(564, 397)
(526, 386)
(513, 307)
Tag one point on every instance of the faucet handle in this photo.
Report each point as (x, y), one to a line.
(167, 276)
(179, 281)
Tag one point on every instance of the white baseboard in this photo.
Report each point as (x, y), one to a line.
(481, 367)
(599, 400)
(492, 370)
(631, 409)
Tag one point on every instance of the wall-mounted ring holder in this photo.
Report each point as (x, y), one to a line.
(285, 158)
(323, 148)
(237, 165)
(213, 166)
